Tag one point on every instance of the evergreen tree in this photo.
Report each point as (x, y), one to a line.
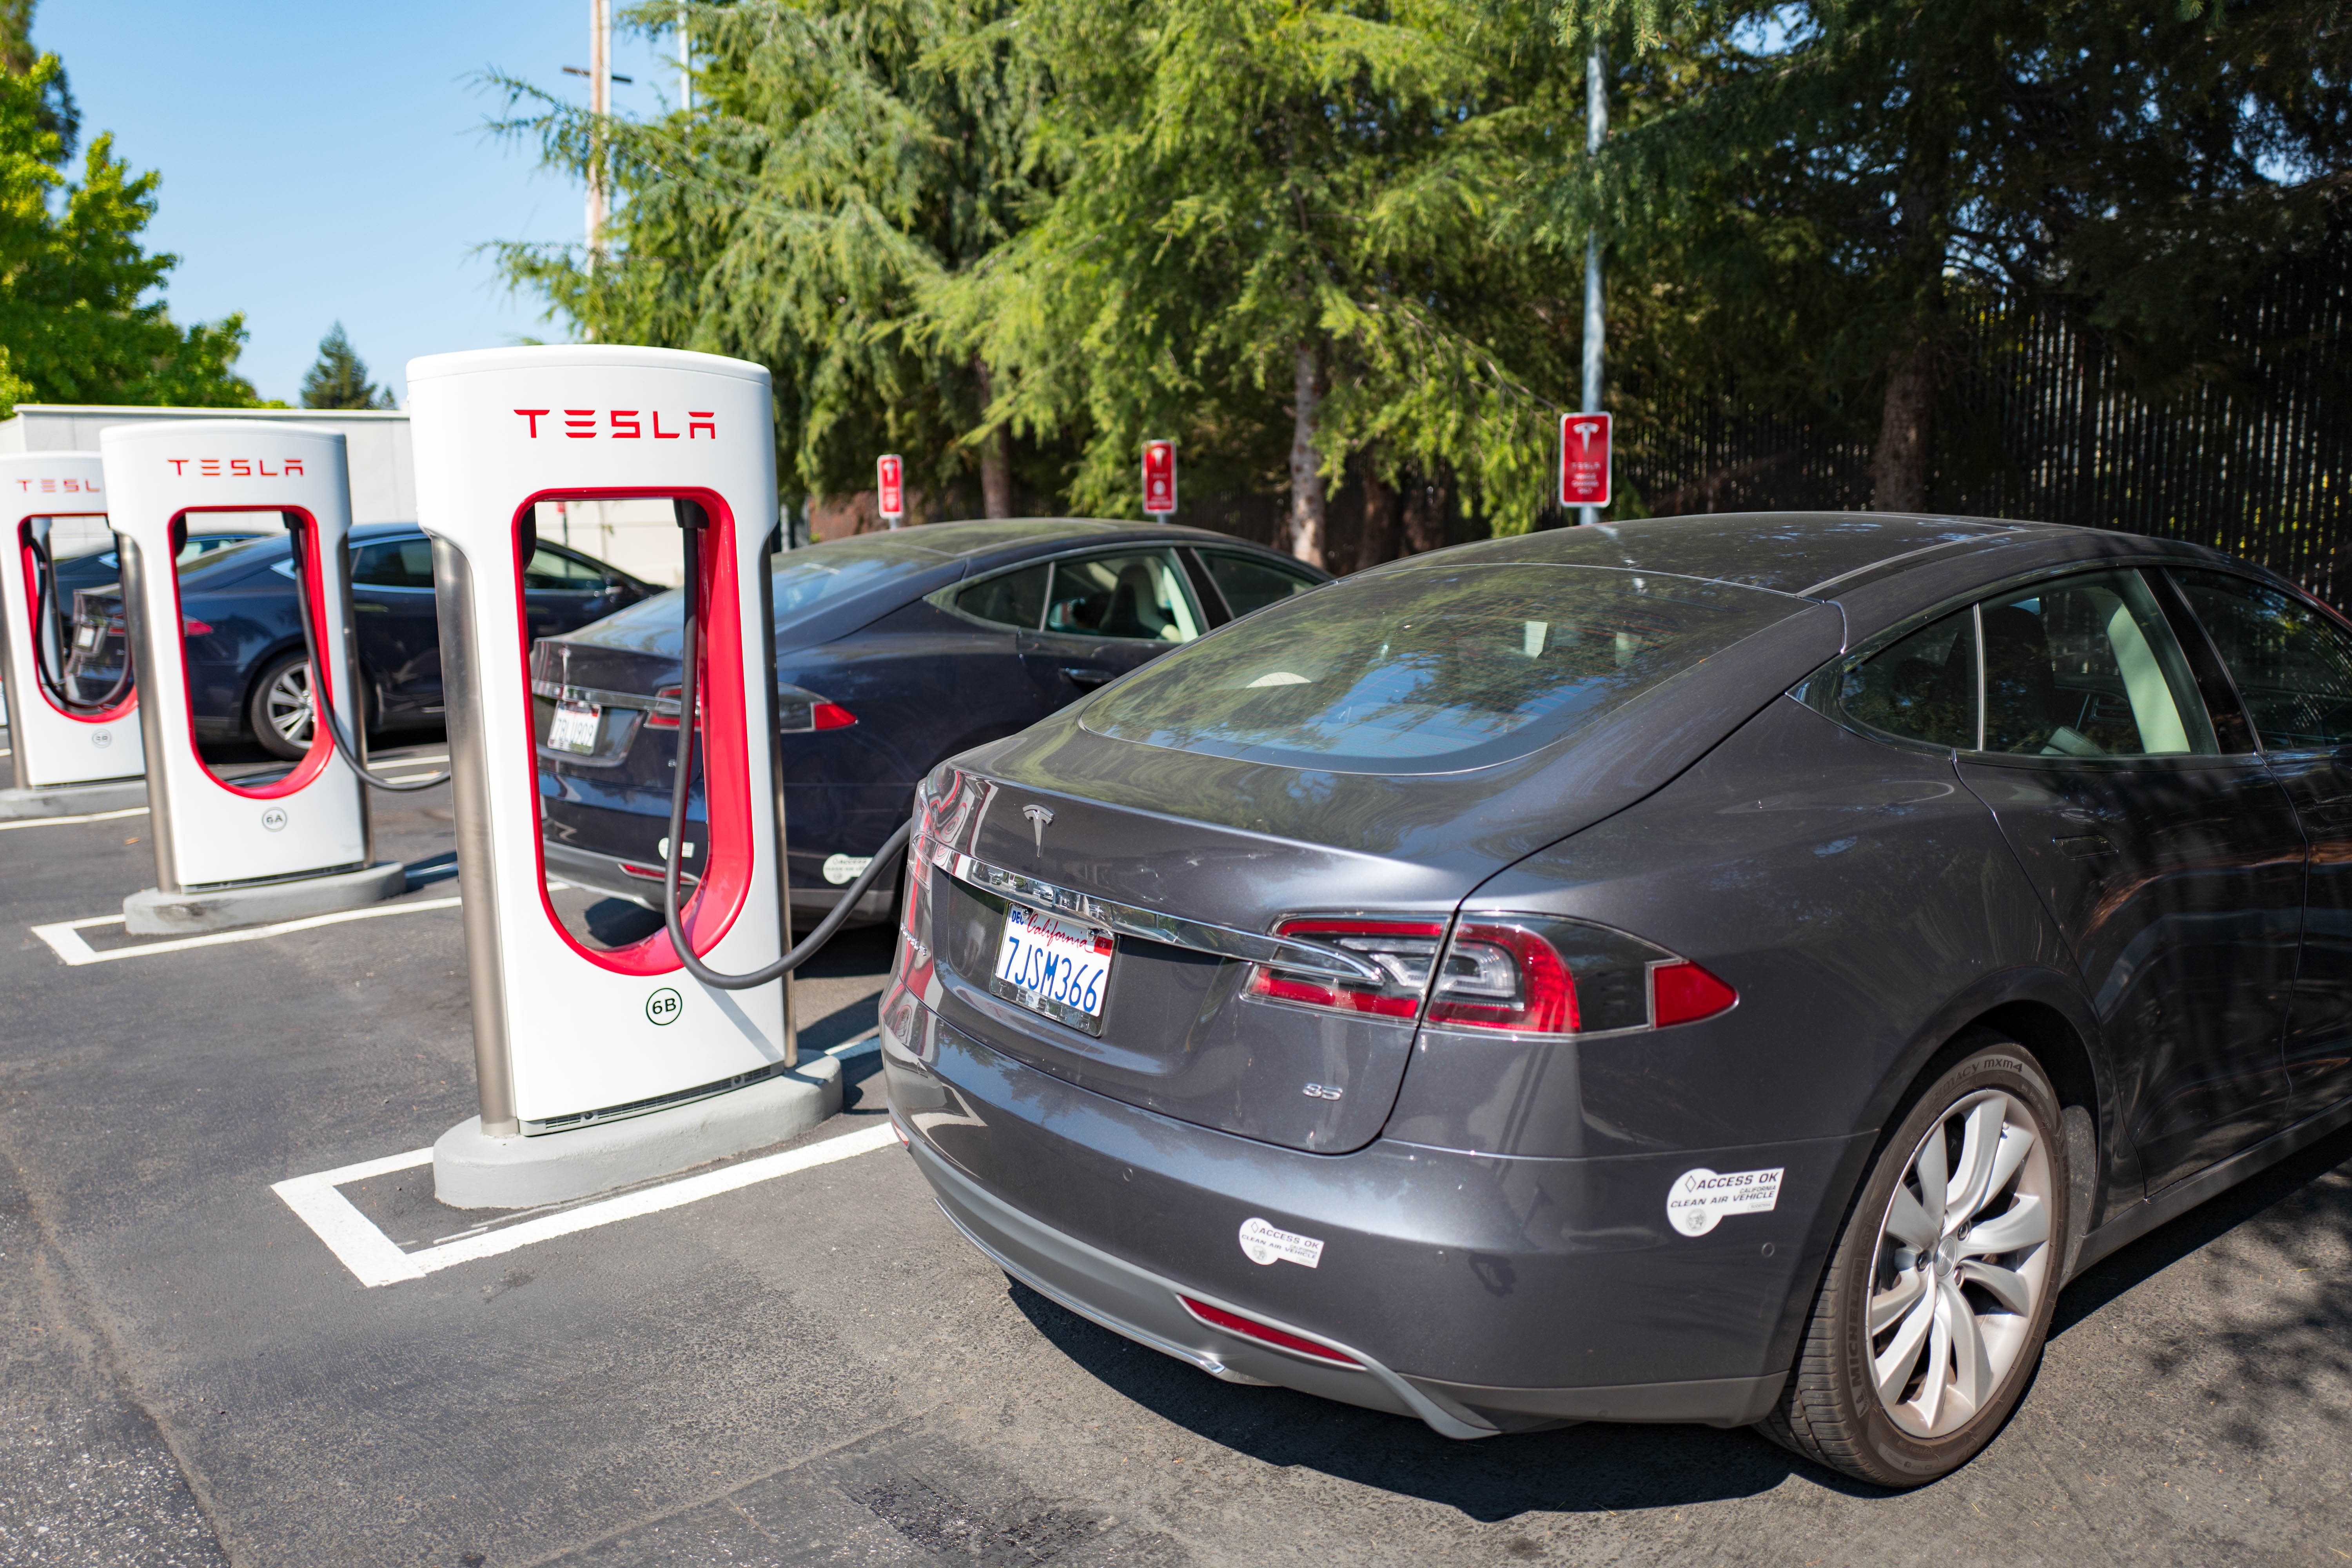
(75, 325)
(843, 155)
(339, 378)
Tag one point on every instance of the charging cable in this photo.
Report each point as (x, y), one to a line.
(49, 625)
(322, 703)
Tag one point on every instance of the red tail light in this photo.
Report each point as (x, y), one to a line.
(1250, 1328)
(1532, 975)
(191, 626)
(1403, 950)
(831, 716)
(667, 718)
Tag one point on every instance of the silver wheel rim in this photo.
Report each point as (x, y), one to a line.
(1963, 1261)
(286, 704)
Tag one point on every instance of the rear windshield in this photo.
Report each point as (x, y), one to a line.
(1429, 670)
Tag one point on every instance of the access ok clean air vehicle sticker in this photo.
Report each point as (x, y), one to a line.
(1699, 1199)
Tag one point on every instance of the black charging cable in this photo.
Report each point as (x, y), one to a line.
(50, 624)
(321, 704)
(690, 524)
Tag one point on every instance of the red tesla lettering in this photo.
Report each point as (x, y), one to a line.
(179, 464)
(700, 419)
(533, 415)
(266, 472)
(660, 433)
(49, 485)
(240, 467)
(624, 424)
(293, 465)
(580, 424)
(208, 467)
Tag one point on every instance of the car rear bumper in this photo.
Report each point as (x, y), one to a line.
(1475, 1294)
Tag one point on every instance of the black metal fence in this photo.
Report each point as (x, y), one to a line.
(2037, 420)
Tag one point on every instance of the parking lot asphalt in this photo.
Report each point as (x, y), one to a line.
(813, 1367)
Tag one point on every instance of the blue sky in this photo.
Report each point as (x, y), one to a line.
(326, 161)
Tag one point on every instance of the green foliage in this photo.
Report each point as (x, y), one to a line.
(73, 327)
(1242, 179)
(843, 156)
(339, 378)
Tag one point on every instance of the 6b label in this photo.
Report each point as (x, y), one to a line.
(663, 1006)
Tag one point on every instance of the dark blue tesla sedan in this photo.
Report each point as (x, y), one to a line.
(894, 651)
(249, 677)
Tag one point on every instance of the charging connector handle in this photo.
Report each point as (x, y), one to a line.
(689, 518)
(322, 704)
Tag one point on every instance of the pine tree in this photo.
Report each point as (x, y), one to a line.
(339, 378)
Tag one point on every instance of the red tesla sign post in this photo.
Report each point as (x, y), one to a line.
(1584, 460)
(1160, 479)
(890, 488)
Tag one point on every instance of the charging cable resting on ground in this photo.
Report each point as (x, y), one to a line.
(690, 523)
(322, 701)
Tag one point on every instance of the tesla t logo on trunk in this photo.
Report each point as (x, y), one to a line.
(1038, 817)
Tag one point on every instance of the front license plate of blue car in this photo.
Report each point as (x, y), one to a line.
(1057, 967)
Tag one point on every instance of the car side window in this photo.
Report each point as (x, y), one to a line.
(2087, 667)
(397, 564)
(1008, 599)
(1137, 595)
(1249, 583)
(548, 569)
(1922, 687)
(2292, 664)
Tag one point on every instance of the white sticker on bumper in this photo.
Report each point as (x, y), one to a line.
(1700, 1198)
(1264, 1243)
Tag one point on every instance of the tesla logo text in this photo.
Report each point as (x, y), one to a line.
(235, 468)
(1038, 817)
(620, 424)
(51, 487)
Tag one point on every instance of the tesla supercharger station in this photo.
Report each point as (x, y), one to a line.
(75, 752)
(598, 1068)
(236, 852)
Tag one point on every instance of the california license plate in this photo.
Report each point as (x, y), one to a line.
(86, 636)
(1057, 967)
(574, 729)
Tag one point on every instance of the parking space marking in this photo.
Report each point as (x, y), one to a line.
(65, 937)
(61, 821)
(376, 1259)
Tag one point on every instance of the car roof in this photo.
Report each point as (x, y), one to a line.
(1014, 539)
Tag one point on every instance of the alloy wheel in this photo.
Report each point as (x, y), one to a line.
(286, 704)
(1962, 1262)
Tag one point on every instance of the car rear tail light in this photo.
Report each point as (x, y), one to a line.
(832, 716)
(1401, 949)
(1504, 977)
(656, 874)
(1250, 1328)
(1682, 993)
(665, 712)
(191, 626)
(800, 710)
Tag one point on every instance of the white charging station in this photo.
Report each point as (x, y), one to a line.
(74, 752)
(601, 1068)
(237, 852)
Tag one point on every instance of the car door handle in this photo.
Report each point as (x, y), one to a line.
(2088, 846)
(1081, 676)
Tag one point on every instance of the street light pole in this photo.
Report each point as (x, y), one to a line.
(1596, 127)
(600, 105)
(685, 62)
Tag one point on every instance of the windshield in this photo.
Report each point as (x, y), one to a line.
(1431, 671)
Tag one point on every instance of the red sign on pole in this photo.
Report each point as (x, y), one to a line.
(891, 488)
(1159, 477)
(1584, 460)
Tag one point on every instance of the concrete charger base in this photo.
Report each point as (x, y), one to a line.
(71, 800)
(154, 913)
(473, 1171)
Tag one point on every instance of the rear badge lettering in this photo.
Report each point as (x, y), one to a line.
(1700, 1198)
(1323, 1091)
(1263, 1242)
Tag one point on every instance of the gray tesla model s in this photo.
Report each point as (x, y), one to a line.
(1728, 969)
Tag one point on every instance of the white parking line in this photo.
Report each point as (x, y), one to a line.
(376, 1259)
(65, 937)
(60, 821)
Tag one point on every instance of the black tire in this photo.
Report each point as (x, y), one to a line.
(266, 708)
(1833, 1411)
